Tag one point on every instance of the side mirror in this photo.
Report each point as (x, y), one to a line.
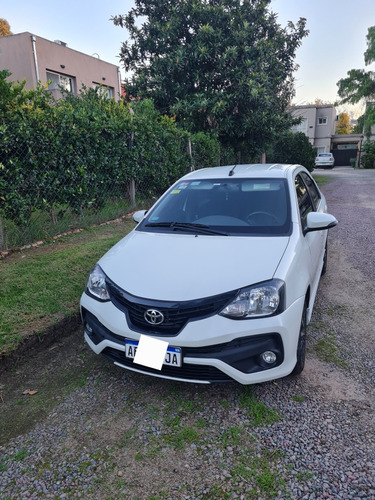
(318, 221)
(139, 215)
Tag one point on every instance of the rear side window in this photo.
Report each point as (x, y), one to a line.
(312, 189)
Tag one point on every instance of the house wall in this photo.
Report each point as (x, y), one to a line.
(17, 56)
(320, 124)
(308, 114)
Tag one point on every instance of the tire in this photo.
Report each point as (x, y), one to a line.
(325, 259)
(301, 346)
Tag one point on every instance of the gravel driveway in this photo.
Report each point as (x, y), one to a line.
(98, 432)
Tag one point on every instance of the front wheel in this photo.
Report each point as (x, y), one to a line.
(301, 346)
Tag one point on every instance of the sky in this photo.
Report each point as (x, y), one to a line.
(336, 42)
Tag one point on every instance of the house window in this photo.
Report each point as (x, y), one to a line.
(300, 127)
(103, 90)
(58, 80)
(323, 120)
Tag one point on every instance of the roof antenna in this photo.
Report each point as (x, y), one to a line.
(232, 170)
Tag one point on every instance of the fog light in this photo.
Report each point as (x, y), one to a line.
(88, 329)
(269, 357)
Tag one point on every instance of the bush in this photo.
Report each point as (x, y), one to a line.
(78, 155)
(368, 157)
(292, 148)
(205, 149)
(80, 152)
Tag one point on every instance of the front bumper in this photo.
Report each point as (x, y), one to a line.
(227, 350)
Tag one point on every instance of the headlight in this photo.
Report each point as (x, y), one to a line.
(96, 285)
(263, 299)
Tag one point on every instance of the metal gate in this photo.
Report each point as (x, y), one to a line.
(343, 156)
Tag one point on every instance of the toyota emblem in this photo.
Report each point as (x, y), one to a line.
(154, 317)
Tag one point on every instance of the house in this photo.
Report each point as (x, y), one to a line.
(318, 124)
(33, 58)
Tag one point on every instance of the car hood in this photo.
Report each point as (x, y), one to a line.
(181, 267)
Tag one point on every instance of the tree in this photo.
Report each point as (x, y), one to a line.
(360, 84)
(225, 65)
(343, 124)
(358, 128)
(320, 102)
(4, 27)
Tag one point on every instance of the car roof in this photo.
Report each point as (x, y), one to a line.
(274, 170)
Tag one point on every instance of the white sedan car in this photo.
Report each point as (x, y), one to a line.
(325, 160)
(217, 281)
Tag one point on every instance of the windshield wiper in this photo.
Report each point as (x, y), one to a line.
(186, 226)
(159, 224)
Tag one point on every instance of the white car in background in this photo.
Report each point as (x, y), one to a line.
(217, 281)
(325, 160)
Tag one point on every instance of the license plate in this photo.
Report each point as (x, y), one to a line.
(172, 356)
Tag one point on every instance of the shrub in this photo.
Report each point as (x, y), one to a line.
(292, 148)
(368, 157)
(206, 150)
(81, 152)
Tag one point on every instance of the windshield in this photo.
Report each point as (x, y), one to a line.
(223, 206)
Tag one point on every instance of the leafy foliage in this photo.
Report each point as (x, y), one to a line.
(368, 158)
(358, 128)
(360, 84)
(225, 66)
(72, 154)
(4, 27)
(159, 152)
(206, 150)
(293, 148)
(370, 52)
(343, 125)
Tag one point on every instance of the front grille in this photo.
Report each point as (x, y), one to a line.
(243, 354)
(176, 314)
(186, 371)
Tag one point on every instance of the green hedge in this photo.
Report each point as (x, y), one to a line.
(78, 152)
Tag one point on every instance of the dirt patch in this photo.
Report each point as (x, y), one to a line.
(330, 383)
(49, 369)
(34, 345)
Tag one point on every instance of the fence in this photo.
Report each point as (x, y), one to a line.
(48, 190)
(81, 161)
(43, 202)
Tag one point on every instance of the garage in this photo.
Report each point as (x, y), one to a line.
(345, 148)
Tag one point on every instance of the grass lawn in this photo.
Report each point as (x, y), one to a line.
(42, 285)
